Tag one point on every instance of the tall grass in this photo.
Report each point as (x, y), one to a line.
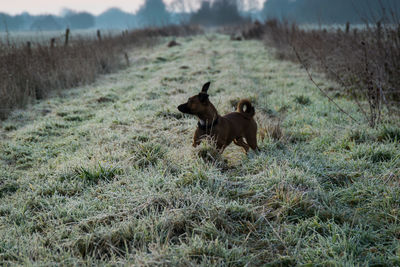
(31, 71)
(365, 62)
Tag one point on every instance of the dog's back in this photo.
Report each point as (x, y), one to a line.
(242, 124)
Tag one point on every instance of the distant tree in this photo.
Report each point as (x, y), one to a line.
(203, 15)
(277, 8)
(115, 18)
(153, 13)
(226, 12)
(27, 20)
(221, 12)
(325, 11)
(328, 11)
(10, 23)
(81, 20)
(45, 23)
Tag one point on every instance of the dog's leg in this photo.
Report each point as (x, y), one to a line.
(196, 138)
(252, 141)
(221, 149)
(240, 142)
(221, 145)
(196, 141)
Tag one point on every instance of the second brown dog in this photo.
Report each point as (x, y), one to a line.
(235, 126)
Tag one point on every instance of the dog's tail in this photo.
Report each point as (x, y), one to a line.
(249, 108)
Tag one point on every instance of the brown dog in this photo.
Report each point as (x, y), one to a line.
(223, 129)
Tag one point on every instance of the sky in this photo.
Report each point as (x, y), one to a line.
(96, 7)
(55, 7)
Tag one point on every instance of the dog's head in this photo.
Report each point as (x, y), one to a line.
(197, 104)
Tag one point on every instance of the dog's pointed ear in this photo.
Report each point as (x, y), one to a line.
(205, 87)
(203, 97)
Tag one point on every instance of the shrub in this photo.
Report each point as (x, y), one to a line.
(365, 62)
(33, 70)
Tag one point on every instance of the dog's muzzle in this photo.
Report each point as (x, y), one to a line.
(184, 108)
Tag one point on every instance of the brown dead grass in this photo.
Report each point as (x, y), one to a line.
(33, 70)
(364, 62)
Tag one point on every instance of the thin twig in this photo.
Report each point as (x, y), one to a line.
(319, 88)
(337, 77)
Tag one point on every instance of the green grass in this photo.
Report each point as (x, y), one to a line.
(106, 174)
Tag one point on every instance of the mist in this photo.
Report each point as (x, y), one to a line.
(328, 11)
(210, 13)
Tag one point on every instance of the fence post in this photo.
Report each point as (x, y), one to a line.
(99, 35)
(28, 47)
(127, 59)
(67, 31)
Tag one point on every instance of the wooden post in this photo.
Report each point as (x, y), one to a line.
(126, 59)
(52, 42)
(99, 35)
(67, 31)
(28, 47)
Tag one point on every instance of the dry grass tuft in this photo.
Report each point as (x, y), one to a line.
(208, 151)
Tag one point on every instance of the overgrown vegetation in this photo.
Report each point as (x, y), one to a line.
(365, 62)
(107, 175)
(31, 71)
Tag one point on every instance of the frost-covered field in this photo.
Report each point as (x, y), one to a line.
(105, 174)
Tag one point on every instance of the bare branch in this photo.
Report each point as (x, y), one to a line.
(319, 88)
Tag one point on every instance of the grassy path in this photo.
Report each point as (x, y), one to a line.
(106, 173)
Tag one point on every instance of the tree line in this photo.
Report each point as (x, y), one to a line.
(328, 11)
(151, 13)
(211, 13)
